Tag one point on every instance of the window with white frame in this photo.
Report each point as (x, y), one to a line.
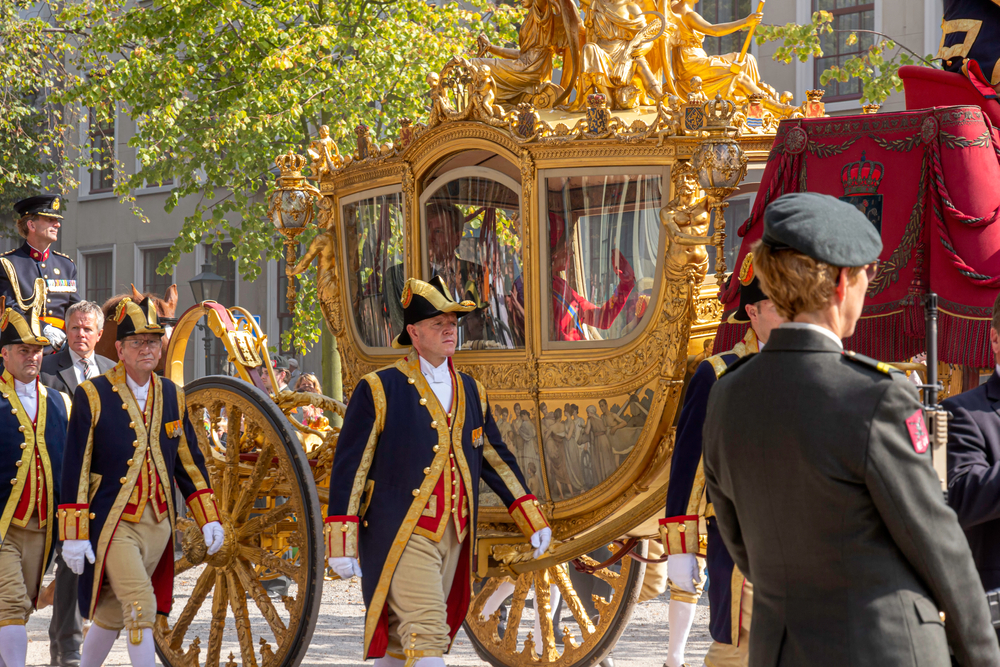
(98, 276)
(101, 139)
(151, 280)
(849, 16)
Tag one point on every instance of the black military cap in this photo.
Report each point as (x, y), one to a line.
(821, 227)
(750, 291)
(422, 301)
(47, 205)
(134, 319)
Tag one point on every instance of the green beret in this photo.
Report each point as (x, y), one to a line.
(821, 227)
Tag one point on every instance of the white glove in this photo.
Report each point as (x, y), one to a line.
(213, 536)
(346, 567)
(683, 571)
(541, 539)
(74, 551)
(55, 335)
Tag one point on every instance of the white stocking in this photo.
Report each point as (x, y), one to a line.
(429, 662)
(681, 618)
(97, 646)
(143, 654)
(14, 645)
(553, 604)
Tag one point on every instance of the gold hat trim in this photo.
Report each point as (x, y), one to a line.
(438, 300)
(144, 323)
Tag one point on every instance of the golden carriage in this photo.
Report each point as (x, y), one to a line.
(586, 237)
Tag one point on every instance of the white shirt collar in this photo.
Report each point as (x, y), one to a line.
(76, 357)
(137, 391)
(26, 390)
(814, 327)
(439, 374)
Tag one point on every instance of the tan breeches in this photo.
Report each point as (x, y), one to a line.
(654, 581)
(728, 655)
(127, 597)
(418, 594)
(21, 557)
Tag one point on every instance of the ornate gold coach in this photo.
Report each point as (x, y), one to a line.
(586, 237)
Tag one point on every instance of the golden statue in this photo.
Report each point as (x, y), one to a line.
(686, 219)
(325, 155)
(614, 61)
(726, 74)
(524, 74)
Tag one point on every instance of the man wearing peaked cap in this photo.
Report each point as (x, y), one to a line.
(40, 218)
(688, 509)
(818, 465)
(419, 424)
(33, 434)
(130, 430)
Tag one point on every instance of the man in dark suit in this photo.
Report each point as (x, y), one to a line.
(974, 466)
(64, 371)
(818, 464)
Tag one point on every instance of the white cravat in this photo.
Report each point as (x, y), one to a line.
(440, 381)
(813, 327)
(84, 367)
(139, 393)
(28, 395)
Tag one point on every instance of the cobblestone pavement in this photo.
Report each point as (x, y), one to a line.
(337, 640)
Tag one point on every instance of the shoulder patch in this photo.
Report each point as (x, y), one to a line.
(9, 252)
(869, 362)
(61, 254)
(736, 364)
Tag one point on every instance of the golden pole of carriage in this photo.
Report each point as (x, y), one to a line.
(585, 235)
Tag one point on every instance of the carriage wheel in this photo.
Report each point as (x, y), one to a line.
(579, 632)
(271, 515)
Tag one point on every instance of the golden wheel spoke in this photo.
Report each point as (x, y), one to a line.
(489, 588)
(573, 601)
(220, 600)
(250, 582)
(238, 600)
(516, 610)
(262, 522)
(182, 565)
(201, 588)
(259, 556)
(543, 609)
(248, 492)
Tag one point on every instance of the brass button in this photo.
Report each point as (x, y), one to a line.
(423, 401)
(23, 445)
(434, 424)
(76, 513)
(18, 464)
(129, 462)
(114, 389)
(131, 424)
(42, 265)
(135, 443)
(5, 395)
(93, 516)
(366, 524)
(124, 406)
(436, 447)
(13, 481)
(451, 455)
(449, 415)
(427, 471)
(416, 492)
(20, 429)
(453, 496)
(13, 411)
(410, 380)
(343, 528)
(124, 479)
(680, 527)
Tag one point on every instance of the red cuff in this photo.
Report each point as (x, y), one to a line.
(341, 534)
(527, 514)
(74, 522)
(679, 534)
(202, 506)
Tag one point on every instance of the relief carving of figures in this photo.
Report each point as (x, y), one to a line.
(324, 154)
(689, 59)
(686, 219)
(620, 58)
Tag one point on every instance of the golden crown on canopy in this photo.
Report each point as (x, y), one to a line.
(290, 164)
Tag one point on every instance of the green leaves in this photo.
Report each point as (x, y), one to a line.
(877, 66)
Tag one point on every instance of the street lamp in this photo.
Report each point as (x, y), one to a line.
(291, 210)
(207, 286)
(721, 164)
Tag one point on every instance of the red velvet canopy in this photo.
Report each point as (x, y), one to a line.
(929, 179)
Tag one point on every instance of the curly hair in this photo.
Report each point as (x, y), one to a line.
(796, 283)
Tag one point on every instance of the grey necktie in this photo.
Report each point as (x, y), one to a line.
(88, 368)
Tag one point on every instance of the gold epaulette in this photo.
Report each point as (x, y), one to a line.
(8, 252)
(62, 254)
(869, 362)
(718, 364)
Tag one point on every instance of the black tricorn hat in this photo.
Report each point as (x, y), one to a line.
(47, 205)
(424, 300)
(137, 318)
(750, 291)
(23, 328)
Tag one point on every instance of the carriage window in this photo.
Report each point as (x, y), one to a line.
(603, 233)
(473, 228)
(374, 233)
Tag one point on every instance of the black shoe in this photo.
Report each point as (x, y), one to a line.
(70, 660)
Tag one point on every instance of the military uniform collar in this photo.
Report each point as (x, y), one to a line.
(803, 338)
(34, 253)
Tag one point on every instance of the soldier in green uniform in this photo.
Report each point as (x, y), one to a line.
(822, 481)
(39, 223)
